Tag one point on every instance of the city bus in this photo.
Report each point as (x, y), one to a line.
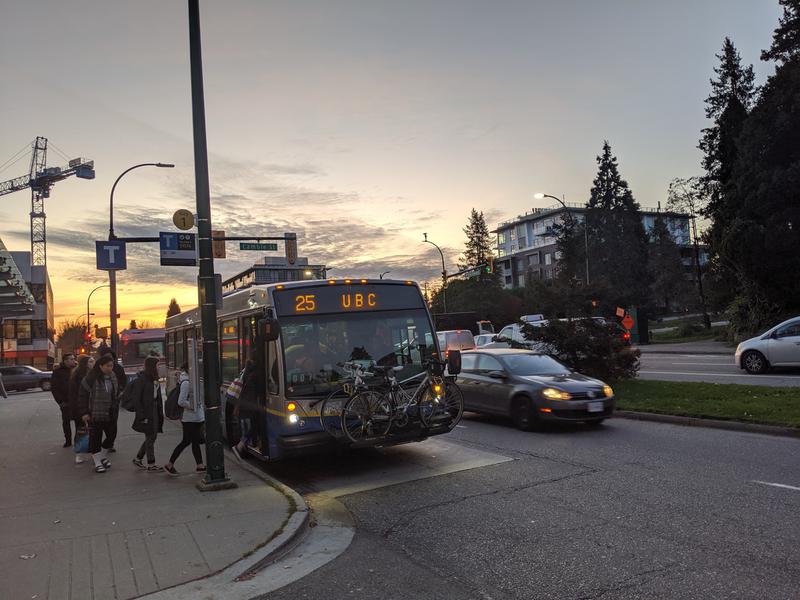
(137, 344)
(300, 335)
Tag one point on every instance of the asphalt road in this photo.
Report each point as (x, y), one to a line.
(710, 368)
(629, 510)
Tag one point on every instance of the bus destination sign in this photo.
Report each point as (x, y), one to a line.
(329, 299)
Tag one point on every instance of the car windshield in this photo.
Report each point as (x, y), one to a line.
(533, 364)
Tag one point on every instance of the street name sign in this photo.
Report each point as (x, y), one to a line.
(178, 249)
(183, 219)
(268, 247)
(111, 255)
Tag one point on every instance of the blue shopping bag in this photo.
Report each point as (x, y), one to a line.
(81, 441)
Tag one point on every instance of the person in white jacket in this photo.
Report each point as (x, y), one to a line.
(192, 422)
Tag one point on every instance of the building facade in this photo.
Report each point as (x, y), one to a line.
(28, 339)
(526, 246)
(274, 269)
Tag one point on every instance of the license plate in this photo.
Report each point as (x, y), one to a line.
(595, 407)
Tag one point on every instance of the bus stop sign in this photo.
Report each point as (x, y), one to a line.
(111, 255)
(178, 249)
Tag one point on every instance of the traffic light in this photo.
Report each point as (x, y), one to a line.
(490, 265)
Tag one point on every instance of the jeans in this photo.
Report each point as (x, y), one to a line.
(96, 430)
(111, 434)
(148, 446)
(192, 434)
(66, 424)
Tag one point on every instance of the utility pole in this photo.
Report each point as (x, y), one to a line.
(444, 272)
(215, 478)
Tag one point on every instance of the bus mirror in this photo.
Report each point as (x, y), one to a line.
(270, 329)
(454, 362)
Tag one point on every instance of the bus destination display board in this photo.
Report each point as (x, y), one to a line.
(335, 298)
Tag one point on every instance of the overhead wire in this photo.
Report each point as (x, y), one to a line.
(15, 159)
(59, 151)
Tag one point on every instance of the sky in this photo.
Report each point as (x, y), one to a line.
(360, 125)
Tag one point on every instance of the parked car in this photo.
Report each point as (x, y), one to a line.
(457, 339)
(511, 335)
(776, 347)
(483, 339)
(23, 377)
(531, 388)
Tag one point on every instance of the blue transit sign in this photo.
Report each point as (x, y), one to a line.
(111, 255)
(178, 249)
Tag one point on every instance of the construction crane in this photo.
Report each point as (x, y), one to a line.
(40, 179)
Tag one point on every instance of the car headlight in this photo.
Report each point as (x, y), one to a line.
(554, 394)
(608, 391)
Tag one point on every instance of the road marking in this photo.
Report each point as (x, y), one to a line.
(755, 377)
(706, 364)
(778, 485)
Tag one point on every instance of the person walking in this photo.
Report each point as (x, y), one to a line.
(98, 392)
(246, 409)
(149, 420)
(192, 422)
(85, 364)
(122, 378)
(59, 387)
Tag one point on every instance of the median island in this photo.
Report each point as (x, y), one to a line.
(730, 402)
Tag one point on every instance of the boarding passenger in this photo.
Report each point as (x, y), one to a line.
(192, 421)
(149, 407)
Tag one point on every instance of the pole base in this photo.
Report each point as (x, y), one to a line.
(216, 486)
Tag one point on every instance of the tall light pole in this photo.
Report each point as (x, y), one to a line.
(215, 477)
(382, 274)
(112, 274)
(89, 297)
(540, 196)
(444, 272)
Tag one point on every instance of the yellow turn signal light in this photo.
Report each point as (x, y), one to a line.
(554, 394)
(608, 391)
(291, 406)
(437, 388)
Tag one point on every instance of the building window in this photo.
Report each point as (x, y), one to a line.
(548, 259)
(508, 279)
(502, 237)
(533, 259)
(24, 332)
(39, 329)
(521, 280)
(8, 330)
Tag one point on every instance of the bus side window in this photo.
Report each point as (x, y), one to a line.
(273, 374)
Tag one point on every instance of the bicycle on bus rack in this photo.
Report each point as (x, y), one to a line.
(436, 402)
(330, 411)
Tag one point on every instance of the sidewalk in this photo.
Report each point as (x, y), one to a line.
(68, 532)
(706, 347)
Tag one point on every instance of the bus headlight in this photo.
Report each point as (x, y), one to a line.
(293, 418)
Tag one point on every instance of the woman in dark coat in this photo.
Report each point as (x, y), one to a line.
(98, 394)
(149, 407)
(85, 364)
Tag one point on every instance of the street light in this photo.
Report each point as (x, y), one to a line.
(88, 314)
(112, 274)
(444, 272)
(382, 274)
(540, 196)
(325, 271)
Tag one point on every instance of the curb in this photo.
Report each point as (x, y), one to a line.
(710, 423)
(656, 350)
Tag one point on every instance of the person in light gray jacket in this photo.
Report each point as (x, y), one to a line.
(192, 421)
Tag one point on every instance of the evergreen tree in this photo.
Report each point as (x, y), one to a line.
(173, 308)
(762, 239)
(132, 324)
(617, 239)
(478, 249)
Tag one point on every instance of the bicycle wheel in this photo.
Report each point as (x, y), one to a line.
(444, 410)
(330, 413)
(366, 415)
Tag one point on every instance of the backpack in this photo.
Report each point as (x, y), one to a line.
(127, 401)
(172, 410)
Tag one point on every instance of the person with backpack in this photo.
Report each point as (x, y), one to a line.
(85, 364)
(147, 404)
(192, 421)
(98, 394)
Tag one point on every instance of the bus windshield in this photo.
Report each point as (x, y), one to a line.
(314, 346)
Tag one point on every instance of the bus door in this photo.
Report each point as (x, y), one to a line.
(273, 408)
(255, 415)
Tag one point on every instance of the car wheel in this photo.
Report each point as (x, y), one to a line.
(45, 385)
(522, 413)
(754, 362)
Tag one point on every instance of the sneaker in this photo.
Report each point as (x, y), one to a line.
(79, 459)
(154, 468)
(138, 462)
(171, 470)
(106, 463)
(100, 469)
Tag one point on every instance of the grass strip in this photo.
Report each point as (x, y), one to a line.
(745, 403)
